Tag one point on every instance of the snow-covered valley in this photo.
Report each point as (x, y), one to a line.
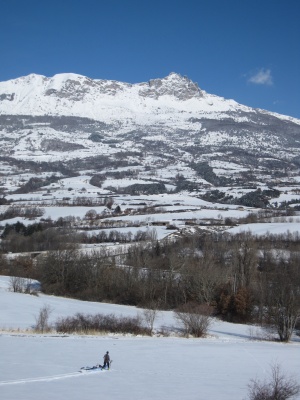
(217, 367)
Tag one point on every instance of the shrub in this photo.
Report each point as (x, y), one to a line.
(279, 387)
(195, 318)
(85, 323)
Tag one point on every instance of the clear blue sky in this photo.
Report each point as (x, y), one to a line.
(247, 50)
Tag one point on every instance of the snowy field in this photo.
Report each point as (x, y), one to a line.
(218, 367)
(267, 228)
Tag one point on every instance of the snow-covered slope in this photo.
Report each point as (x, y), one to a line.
(218, 367)
(104, 100)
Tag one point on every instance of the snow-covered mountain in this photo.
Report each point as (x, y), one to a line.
(160, 122)
(103, 100)
(108, 101)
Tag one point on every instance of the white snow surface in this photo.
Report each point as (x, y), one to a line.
(142, 103)
(47, 366)
(265, 228)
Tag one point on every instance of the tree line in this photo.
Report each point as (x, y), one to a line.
(243, 278)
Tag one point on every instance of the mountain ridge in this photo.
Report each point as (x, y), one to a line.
(83, 124)
(72, 94)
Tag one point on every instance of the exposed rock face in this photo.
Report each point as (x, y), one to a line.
(7, 96)
(182, 88)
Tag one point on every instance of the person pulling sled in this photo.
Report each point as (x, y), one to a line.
(106, 359)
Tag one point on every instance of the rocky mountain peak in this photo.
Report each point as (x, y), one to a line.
(70, 86)
(174, 84)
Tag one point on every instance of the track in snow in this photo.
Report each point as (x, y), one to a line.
(50, 378)
(41, 379)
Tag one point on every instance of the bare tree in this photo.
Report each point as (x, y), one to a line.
(42, 320)
(17, 284)
(244, 261)
(150, 314)
(279, 387)
(3, 264)
(202, 277)
(281, 298)
(91, 216)
(172, 276)
(151, 234)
